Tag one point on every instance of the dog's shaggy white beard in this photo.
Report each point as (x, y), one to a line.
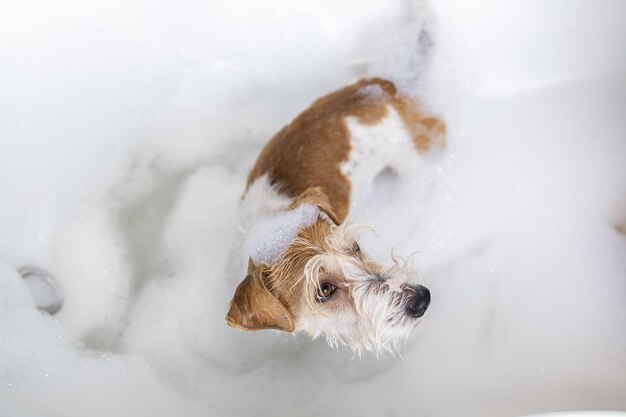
(377, 322)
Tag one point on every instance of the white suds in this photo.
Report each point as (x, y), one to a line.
(127, 131)
(372, 91)
(272, 235)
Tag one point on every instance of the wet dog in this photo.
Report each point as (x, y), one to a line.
(306, 271)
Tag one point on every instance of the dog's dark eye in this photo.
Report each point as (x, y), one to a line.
(325, 291)
(356, 247)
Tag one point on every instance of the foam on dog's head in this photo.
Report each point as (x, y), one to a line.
(271, 236)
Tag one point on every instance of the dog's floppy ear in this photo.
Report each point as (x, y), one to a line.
(255, 308)
(317, 197)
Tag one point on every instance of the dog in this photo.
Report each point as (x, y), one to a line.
(306, 271)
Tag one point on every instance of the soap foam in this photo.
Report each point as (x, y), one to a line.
(273, 234)
(127, 131)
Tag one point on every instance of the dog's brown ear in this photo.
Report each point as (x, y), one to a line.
(255, 308)
(251, 266)
(317, 197)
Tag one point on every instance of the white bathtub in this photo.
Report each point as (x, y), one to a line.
(126, 131)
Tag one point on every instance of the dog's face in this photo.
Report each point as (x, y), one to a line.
(325, 285)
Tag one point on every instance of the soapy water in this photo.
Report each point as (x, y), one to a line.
(127, 131)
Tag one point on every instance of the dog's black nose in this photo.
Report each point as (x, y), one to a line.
(419, 302)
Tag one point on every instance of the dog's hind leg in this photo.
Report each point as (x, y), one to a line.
(392, 147)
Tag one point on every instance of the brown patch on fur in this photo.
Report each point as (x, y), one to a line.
(309, 151)
(254, 307)
(283, 277)
(426, 131)
(316, 196)
(270, 296)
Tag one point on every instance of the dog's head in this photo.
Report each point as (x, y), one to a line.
(322, 283)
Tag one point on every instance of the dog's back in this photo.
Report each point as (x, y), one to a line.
(317, 147)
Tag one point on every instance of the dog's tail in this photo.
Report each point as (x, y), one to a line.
(404, 55)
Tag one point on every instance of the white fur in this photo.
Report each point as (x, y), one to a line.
(378, 322)
(374, 148)
(261, 199)
(394, 284)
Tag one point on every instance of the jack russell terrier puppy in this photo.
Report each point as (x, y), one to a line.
(306, 271)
